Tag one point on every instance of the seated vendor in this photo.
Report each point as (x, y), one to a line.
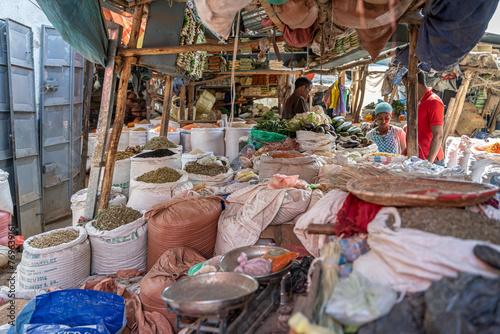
(389, 139)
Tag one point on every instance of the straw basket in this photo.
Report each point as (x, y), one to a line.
(403, 191)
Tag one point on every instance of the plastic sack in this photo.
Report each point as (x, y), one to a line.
(356, 301)
(74, 308)
(5, 196)
(280, 258)
(282, 181)
(311, 141)
(307, 167)
(259, 138)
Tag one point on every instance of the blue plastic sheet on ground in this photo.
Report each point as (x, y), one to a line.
(450, 30)
(81, 25)
(75, 308)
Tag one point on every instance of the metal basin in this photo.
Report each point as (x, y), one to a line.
(212, 293)
(230, 261)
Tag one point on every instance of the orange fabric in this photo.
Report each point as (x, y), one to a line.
(172, 266)
(280, 258)
(138, 321)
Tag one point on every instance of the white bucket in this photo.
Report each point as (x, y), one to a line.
(208, 140)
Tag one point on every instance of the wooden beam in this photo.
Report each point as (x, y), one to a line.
(393, 93)
(352, 65)
(87, 96)
(412, 115)
(165, 50)
(196, 83)
(167, 104)
(265, 72)
(182, 103)
(121, 99)
(190, 93)
(105, 111)
(357, 113)
(453, 115)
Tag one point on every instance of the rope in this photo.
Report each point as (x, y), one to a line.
(233, 69)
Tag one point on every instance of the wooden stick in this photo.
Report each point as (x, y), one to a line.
(327, 229)
(182, 105)
(190, 102)
(166, 50)
(450, 115)
(412, 117)
(121, 99)
(87, 96)
(393, 93)
(464, 88)
(167, 104)
(357, 114)
(354, 64)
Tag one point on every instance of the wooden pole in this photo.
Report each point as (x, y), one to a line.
(364, 74)
(182, 105)
(393, 93)
(214, 48)
(167, 105)
(121, 99)
(411, 98)
(87, 96)
(190, 101)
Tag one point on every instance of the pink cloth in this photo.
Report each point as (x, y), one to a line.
(282, 181)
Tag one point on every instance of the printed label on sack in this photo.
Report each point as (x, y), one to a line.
(124, 185)
(118, 240)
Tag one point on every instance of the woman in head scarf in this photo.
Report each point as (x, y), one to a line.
(389, 138)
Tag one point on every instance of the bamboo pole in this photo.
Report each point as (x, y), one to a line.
(167, 104)
(121, 99)
(87, 97)
(412, 116)
(166, 50)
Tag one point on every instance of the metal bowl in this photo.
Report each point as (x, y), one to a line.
(212, 293)
(230, 261)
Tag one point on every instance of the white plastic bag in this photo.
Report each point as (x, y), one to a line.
(208, 140)
(64, 266)
(144, 195)
(311, 141)
(451, 152)
(307, 167)
(410, 260)
(186, 140)
(356, 301)
(5, 196)
(139, 166)
(122, 248)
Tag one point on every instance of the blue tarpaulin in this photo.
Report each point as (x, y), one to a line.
(81, 25)
(450, 30)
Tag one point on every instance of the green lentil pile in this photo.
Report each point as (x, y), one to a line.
(55, 238)
(160, 175)
(159, 142)
(210, 170)
(115, 216)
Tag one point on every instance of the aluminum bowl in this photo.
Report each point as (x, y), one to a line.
(209, 294)
(230, 261)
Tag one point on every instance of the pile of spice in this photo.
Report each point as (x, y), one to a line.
(206, 125)
(139, 129)
(122, 155)
(241, 125)
(115, 216)
(495, 148)
(156, 154)
(210, 170)
(55, 238)
(160, 175)
(189, 127)
(325, 154)
(170, 129)
(453, 222)
(285, 156)
(196, 151)
(158, 143)
(134, 149)
(144, 121)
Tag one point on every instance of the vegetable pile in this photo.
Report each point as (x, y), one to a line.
(271, 123)
(315, 118)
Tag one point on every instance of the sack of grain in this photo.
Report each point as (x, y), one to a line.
(232, 141)
(64, 265)
(186, 140)
(208, 140)
(79, 199)
(186, 157)
(142, 163)
(183, 222)
(121, 175)
(5, 196)
(5, 222)
(121, 248)
(311, 141)
(144, 195)
(306, 167)
(138, 137)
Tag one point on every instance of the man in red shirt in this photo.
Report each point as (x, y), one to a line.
(430, 121)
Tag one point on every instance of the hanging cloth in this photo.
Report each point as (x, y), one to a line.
(335, 95)
(387, 143)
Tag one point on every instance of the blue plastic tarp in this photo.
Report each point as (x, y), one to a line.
(72, 310)
(450, 30)
(81, 24)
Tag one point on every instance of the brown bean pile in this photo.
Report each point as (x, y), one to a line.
(55, 238)
(122, 155)
(134, 149)
(159, 142)
(160, 175)
(115, 216)
(210, 170)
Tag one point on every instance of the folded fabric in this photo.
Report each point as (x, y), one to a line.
(354, 216)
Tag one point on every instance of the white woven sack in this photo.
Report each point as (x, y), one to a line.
(123, 141)
(91, 145)
(215, 181)
(5, 196)
(79, 199)
(139, 166)
(311, 141)
(186, 157)
(295, 202)
(218, 15)
(137, 138)
(64, 266)
(186, 140)
(307, 167)
(121, 175)
(233, 141)
(144, 195)
(125, 247)
(362, 150)
(208, 140)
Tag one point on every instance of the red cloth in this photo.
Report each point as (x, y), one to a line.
(354, 216)
(295, 37)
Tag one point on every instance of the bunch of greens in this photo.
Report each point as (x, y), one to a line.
(398, 107)
(271, 123)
